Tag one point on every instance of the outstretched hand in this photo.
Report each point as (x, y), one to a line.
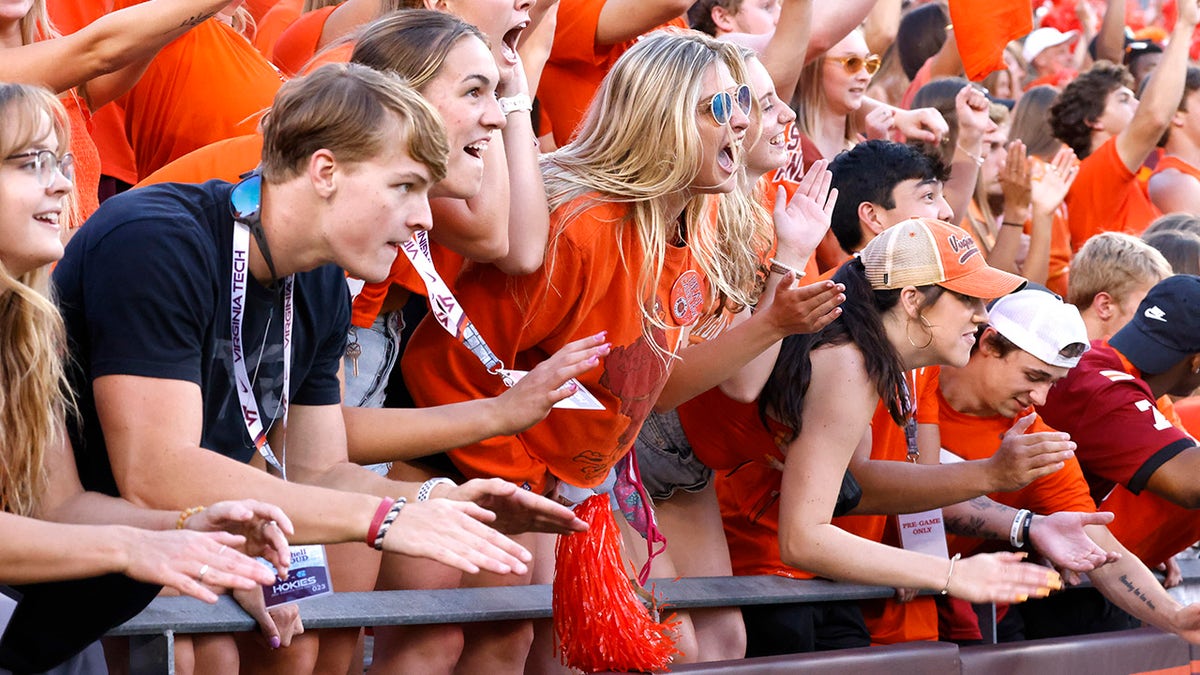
(798, 309)
(514, 510)
(1060, 537)
(1001, 577)
(1024, 458)
(265, 528)
(802, 221)
(532, 397)
(453, 533)
(191, 562)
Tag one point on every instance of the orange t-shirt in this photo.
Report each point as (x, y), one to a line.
(227, 159)
(1188, 410)
(207, 86)
(577, 65)
(87, 160)
(1173, 162)
(589, 283)
(1106, 197)
(298, 42)
(277, 19)
(259, 8)
(749, 499)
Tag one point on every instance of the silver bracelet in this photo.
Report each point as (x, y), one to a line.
(426, 489)
(387, 522)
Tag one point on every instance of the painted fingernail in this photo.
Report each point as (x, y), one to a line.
(1021, 598)
(593, 360)
(274, 642)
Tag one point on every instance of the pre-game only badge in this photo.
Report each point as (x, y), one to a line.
(308, 577)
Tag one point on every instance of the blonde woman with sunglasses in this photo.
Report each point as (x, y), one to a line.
(633, 251)
(831, 91)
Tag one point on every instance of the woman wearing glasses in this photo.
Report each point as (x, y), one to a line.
(634, 252)
(92, 66)
(55, 619)
(830, 93)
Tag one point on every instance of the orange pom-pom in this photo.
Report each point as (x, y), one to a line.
(598, 619)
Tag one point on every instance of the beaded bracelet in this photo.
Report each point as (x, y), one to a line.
(426, 489)
(946, 588)
(185, 514)
(782, 269)
(390, 518)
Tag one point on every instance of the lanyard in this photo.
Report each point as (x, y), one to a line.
(445, 307)
(245, 390)
(910, 424)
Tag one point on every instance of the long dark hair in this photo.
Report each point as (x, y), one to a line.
(861, 323)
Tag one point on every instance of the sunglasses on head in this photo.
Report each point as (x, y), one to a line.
(721, 104)
(853, 64)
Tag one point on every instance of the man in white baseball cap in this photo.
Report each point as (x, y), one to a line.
(1048, 51)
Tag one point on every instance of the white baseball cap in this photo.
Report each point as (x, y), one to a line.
(1041, 324)
(1044, 38)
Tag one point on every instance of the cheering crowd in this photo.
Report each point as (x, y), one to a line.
(878, 291)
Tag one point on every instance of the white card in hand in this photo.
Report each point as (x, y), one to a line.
(582, 399)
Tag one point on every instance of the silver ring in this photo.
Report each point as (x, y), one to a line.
(203, 571)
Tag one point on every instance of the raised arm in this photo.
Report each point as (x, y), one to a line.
(125, 38)
(622, 20)
(1162, 95)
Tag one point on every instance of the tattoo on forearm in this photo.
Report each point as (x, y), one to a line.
(193, 21)
(973, 526)
(1136, 591)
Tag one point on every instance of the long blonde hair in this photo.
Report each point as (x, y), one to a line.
(810, 103)
(36, 25)
(33, 398)
(639, 144)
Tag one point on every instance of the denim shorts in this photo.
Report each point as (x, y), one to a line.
(665, 458)
(380, 346)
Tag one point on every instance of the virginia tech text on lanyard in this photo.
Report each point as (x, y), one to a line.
(245, 388)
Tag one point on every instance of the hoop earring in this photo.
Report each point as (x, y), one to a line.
(928, 329)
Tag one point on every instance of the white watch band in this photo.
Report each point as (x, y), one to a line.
(519, 102)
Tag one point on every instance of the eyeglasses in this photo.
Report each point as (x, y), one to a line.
(853, 64)
(721, 104)
(43, 164)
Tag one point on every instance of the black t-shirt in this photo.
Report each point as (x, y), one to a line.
(144, 288)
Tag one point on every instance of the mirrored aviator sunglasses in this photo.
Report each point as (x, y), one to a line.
(246, 199)
(721, 104)
(853, 64)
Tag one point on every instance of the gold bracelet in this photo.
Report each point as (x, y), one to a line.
(977, 158)
(782, 269)
(185, 514)
(946, 588)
